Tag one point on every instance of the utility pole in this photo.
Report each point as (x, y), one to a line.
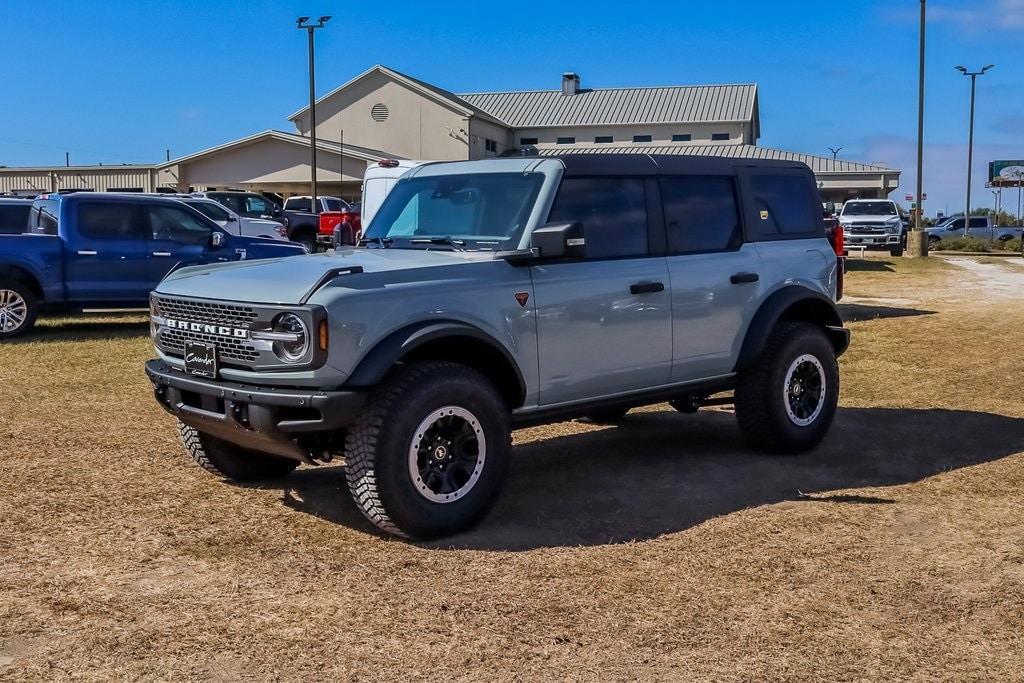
(67, 158)
(835, 151)
(303, 23)
(917, 240)
(970, 138)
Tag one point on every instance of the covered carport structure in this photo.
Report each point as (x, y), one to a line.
(272, 161)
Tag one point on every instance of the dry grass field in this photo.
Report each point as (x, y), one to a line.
(658, 549)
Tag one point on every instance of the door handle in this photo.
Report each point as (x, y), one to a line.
(86, 252)
(741, 278)
(646, 287)
(161, 253)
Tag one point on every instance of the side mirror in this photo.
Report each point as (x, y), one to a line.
(559, 240)
(217, 239)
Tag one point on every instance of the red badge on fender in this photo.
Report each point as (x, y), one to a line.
(522, 298)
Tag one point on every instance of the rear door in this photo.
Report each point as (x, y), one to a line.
(107, 256)
(715, 276)
(980, 229)
(604, 323)
(178, 237)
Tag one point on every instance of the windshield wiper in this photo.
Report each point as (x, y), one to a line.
(384, 242)
(458, 245)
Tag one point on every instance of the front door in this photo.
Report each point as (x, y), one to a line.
(107, 258)
(603, 323)
(179, 237)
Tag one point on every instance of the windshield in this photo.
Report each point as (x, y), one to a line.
(869, 209)
(474, 211)
(210, 210)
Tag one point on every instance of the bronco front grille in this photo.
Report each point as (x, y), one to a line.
(204, 311)
(173, 342)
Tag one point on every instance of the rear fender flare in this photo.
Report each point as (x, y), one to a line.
(792, 303)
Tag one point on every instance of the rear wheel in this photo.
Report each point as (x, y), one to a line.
(18, 308)
(229, 461)
(429, 453)
(786, 401)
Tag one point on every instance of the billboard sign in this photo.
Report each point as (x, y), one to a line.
(1006, 172)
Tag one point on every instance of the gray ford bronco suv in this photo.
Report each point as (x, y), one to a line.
(490, 295)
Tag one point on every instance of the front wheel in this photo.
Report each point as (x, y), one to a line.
(18, 309)
(429, 453)
(787, 400)
(896, 252)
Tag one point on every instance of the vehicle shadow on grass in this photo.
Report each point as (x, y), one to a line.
(84, 329)
(854, 313)
(663, 472)
(869, 265)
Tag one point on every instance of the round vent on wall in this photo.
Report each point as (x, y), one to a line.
(379, 112)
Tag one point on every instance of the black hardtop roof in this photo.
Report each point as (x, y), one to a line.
(666, 164)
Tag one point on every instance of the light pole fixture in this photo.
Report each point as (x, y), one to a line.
(304, 23)
(835, 151)
(970, 139)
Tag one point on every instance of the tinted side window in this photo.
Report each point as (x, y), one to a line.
(109, 221)
(701, 213)
(42, 219)
(299, 205)
(14, 218)
(257, 205)
(784, 205)
(613, 212)
(234, 202)
(177, 225)
(978, 223)
(334, 204)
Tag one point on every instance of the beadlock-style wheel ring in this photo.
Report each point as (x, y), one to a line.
(803, 390)
(447, 454)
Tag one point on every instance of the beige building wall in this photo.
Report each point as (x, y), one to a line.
(416, 126)
(265, 164)
(481, 131)
(101, 179)
(739, 133)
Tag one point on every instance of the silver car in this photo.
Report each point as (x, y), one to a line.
(235, 224)
(497, 294)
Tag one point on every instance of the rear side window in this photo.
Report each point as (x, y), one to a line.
(109, 221)
(334, 204)
(42, 219)
(177, 225)
(297, 204)
(785, 205)
(613, 212)
(233, 201)
(701, 213)
(14, 218)
(257, 205)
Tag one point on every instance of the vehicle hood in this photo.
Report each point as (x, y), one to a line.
(865, 218)
(288, 280)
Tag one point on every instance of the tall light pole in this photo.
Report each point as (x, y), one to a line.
(970, 139)
(303, 23)
(917, 242)
(835, 151)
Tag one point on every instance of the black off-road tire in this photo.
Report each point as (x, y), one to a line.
(229, 461)
(31, 305)
(896, 252)
(607, 417)
(761, 391)
(377, 449)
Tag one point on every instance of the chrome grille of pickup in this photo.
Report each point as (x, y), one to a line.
(205, 312)
(172, 341)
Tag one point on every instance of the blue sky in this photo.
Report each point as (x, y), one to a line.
(119, 82)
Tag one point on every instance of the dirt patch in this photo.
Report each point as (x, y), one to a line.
(658, 549)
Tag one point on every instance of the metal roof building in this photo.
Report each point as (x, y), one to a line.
(383, 113)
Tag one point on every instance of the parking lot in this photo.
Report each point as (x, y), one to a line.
(661, 548)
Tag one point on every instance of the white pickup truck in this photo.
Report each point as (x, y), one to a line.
(980, 228)
(873, 224)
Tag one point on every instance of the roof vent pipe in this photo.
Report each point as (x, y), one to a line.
(570, 83)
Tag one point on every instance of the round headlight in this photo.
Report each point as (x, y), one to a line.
(294, 349)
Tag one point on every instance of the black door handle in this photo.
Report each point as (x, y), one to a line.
(740, 278)
(646, 288)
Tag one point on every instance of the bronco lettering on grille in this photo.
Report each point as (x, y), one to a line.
(203, 328)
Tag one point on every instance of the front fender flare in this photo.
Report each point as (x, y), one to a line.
(376, 364)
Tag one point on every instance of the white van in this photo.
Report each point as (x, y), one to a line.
(377, 183)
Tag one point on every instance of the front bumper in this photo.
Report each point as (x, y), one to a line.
(885, 241)
(260, 418)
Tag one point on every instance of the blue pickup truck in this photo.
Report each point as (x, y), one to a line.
(93, 250)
